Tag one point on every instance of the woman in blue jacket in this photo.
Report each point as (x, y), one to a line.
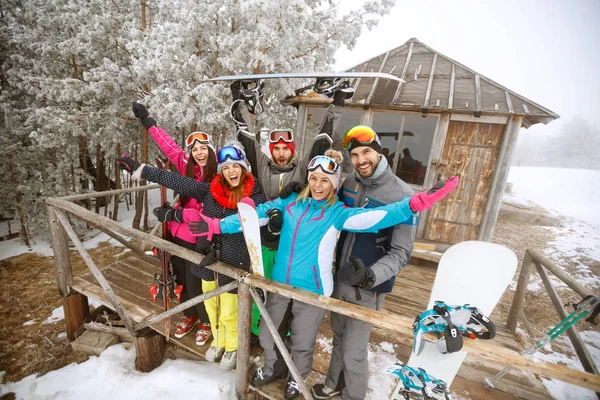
(312, 220)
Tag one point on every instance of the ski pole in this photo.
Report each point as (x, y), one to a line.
(589, 305)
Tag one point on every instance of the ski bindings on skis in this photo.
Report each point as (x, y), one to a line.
(418, 384)
(450, 324)
(249, 91)
(157, 291)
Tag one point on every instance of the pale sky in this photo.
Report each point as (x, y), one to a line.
(547, 51)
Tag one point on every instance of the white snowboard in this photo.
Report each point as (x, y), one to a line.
(251, 229)
(475, 273)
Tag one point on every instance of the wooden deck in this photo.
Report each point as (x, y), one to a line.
(130, 279)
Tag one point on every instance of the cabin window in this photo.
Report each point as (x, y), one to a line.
(406, 153)
(406, 142)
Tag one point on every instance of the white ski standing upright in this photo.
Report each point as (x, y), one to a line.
(472, 272)
(251, 228)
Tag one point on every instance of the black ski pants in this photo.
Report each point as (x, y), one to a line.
(192, 285)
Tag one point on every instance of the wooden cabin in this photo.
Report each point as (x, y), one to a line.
(449, 118)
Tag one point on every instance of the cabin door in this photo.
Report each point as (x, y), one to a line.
(470, 151)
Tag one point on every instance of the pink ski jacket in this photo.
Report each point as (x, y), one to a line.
(179, 158)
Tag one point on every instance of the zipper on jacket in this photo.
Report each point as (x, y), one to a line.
(287, 278)
(316, 278)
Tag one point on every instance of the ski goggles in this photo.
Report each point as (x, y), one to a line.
(202, 137)
(328, 165)
(281, 134)
(362, 134)
(230, 152)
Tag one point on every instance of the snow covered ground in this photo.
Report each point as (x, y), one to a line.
(572, 194)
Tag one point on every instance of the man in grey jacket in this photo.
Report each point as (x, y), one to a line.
(367, 263)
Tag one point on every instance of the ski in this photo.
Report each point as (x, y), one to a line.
(589, 305)
(306, 75)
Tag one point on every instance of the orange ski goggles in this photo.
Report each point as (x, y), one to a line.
(202, 137)
(361, 134)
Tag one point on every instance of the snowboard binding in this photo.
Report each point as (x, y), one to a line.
(450, 324)
(249, 91)
(418, 384)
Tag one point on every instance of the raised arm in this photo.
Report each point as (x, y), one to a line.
(182, 185)
(241, 116)
(162, 139)
(373, 220)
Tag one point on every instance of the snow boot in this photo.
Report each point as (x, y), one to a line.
(261, 379)
(320, 391)
(185, 326)
(292, 390)
(229, 360)
(204, 333)
(214, 354)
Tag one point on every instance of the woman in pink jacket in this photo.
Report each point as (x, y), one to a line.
(200, 163)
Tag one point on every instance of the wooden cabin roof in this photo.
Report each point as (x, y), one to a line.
(435, 82)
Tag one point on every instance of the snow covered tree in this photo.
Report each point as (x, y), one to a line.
(71, 71)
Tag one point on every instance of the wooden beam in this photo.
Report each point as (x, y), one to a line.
(578, 344)
(478, 92)
(399, 144)
(403, 76)
(451, 93)
(62, 257)
(430, 83)
(402, 326)
(517, 303)
(172, 248)
(559, 273)
(279, 342)
(525, 108)
(95, 271)
(92, 195)
(185, 305)
(494, 200)
(484, 119)
(370, 96)
(509, 102)
(243, 354)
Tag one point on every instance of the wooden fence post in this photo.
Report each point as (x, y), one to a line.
(150, 348)
(517, 303)
(62, 258)
(243, 353)
(76, 308)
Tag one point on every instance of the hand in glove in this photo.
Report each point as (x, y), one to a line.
(354, 273)
(127, 163)
(207, 226)
(291, 188)
(424, 200)
(141, 113)
(210, 258)
(275, 220)
(167, 213)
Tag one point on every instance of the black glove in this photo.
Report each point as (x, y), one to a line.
(141, 113)
(167, 213)
(291, 188)
(354, 273)
(275, 220)
(127, 163)
(210, 258)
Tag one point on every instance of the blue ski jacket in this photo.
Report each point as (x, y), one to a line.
(309, 235)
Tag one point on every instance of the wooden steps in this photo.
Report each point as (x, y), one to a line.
(131, 278)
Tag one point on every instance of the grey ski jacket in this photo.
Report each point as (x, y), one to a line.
(387, 251)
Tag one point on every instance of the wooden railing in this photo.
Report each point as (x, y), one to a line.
(542, 265)
(246, 283)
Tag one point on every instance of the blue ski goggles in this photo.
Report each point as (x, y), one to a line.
(231, 152)
(327, 165)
